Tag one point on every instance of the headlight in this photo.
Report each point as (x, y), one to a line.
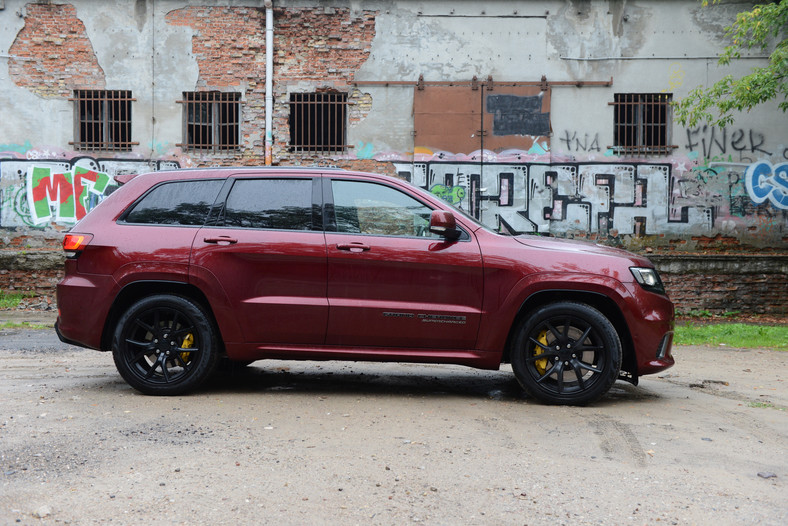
(648, 278)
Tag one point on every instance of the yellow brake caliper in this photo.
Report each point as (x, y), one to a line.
(187, 343)
(541, 365)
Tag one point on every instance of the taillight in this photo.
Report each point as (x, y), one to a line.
(73, 244)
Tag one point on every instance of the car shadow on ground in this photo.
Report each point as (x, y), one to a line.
(371, 379)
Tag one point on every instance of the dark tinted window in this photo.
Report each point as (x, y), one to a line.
(177, 203)
(284, 204)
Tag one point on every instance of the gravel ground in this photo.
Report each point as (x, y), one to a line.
(358, 443)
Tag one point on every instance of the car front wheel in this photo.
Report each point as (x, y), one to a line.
(165, 345)
(566, 353)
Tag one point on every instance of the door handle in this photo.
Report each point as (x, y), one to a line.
(220, 240)
(353, 247)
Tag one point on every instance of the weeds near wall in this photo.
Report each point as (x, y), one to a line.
(12, 300)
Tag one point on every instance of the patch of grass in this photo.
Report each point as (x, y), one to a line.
(765, 405)
(11, 300)
(739, 335)
(23, 325)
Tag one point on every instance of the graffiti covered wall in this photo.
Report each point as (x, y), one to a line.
(38, 192)
(675, 201)
(518, 131)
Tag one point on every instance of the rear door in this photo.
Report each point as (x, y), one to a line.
(391, 283)
(266, 253)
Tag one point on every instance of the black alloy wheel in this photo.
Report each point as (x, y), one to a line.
(566, 353)
(165, 345)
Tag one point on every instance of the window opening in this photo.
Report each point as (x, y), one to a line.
(102, 120)
(211, 120)
(317, 122)
(283, 204)
(373, 209)
(642, 123)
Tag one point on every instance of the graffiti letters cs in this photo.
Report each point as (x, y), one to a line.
(765, 181)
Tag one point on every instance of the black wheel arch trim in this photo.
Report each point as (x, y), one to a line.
(602, 302)
(136, 290)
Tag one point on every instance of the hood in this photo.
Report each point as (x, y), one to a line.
(571, 245)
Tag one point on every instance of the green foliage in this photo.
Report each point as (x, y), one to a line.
(765, 405)
(739, 335)
(10, 301)
(23, 325)
(752, 29)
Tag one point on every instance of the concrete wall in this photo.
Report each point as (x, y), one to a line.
(706, 194)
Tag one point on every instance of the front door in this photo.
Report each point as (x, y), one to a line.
(391, 283)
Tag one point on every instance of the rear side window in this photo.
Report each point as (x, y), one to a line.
(176, 203)
(282, 204)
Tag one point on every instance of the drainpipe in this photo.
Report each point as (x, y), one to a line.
(269, 73)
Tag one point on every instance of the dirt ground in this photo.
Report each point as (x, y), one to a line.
(358, 443)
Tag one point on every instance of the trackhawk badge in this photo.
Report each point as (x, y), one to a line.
(428, 318)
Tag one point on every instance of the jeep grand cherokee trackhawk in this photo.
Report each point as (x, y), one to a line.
(176, 271)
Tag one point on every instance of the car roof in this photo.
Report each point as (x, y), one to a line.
(224, 172)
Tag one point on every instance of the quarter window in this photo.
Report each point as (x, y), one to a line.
(102, 120)
(284, 204)
(177, 203)
(642, 123)
(374, 209)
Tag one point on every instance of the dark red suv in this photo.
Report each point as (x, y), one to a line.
(177, 271)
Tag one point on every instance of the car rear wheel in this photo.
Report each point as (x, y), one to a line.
(165, 345)
(566, 353)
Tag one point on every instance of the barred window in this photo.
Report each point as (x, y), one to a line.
(211, 120)
(102, 120)
(317, 122)
(642, 123)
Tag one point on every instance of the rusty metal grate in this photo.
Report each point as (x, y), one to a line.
(317, 122)
(642, 123)
(102, 120)
(211, 120)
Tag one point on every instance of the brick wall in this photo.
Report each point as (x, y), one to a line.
(316, 49)
(719, 284)
(58, 56)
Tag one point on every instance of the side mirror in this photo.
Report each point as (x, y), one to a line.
(443, 224)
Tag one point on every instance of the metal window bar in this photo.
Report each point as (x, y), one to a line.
(318, 122)
(211, 120)
(642, 123)
(102, 120)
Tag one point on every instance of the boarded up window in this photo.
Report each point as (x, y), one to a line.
(460, 119)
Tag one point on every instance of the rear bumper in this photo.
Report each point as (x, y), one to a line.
(63, 338)
(83, 302)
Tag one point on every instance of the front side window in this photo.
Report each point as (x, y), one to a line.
(375, 209)
(102, 120)
(211, 120)
(176, 203)
(642, 123)
(282, 204)
(317, 122)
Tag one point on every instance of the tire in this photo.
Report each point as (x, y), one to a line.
(165, 345)
(566, 353)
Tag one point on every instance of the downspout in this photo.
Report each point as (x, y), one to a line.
(269, 73)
